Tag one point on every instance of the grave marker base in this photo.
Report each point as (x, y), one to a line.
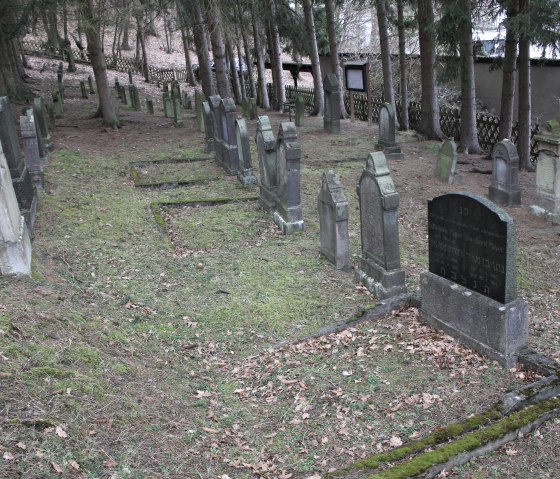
(246, 177)
(384, 284)
(286, 226)
(15, 258)
(391, 150)
(503, 197)
(499, 331)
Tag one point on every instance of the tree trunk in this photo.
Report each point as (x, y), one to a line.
(201, 46)
(125, 45)
(219, 50)
(524, 113)
(402, 63)
(185, 39)
(247, 51)
(261, 78)
(91, 24)
(314, 57)
(388, 90)
(333, 47)
(469, 135)
(429, 124)
(277, 72)
(242, 77)
(51, 31)
(233, 73)
(12, 75)
(141, 40)
(509, 66)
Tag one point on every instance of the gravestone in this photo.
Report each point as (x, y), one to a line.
(130, 77)
(230, 155)
(25, 192)
(447, 162)
(167, 105)
(288, 215)
(123, 95)
(60, 84)
(57, 103)
(31, 149)
(83, 89)
(245, 174)
(470, 290)
(245, 108)
(43, 153)
(150, 104)
(134, 97)
(300, 111)
(208, 128)
(386, 141)
(504, 188)
(546, 203)
(253, 109)
(41, 120)
(118, 88)
(51, 116)
(15, 242)
(266, 150)
(90, 84)
(165, 87)
(198, 100)
(331, 90)
(187, 104)
(379, 265)
(177, 119)
(214, 102)
(333, 221)
(175, 90)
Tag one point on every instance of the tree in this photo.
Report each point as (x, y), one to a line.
(276, 55)
(214, 19)
(388, 90)
(333, 50)
(524, 110)
(314, 57)
(402, 65)
(261, 78)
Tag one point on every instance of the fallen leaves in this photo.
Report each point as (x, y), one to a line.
(61, 432)
(395, 441)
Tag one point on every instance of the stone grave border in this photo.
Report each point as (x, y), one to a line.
(139, 182)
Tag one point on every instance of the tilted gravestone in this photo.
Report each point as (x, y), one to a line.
(447, 162)
(245, 175)
(333, 221)
(31, 153)
(177, 119)
(546, 202)
(504, 188)
(300, 111)
(470, 290)
(208, 128)
(15, 243)
(40, 118)
(26, 193)
(214, 101)
(288, 215)
(266, 150)
(83, 89)
(198, 100)
(230, 155)
(387, 128)
(150, 104)
(379, 265)
(331, 118)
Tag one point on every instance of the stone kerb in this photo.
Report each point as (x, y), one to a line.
(447, 162)
(15, 242)
(266, 150)
(331, 90)
(288, 215)
(379, 265)
(333, 221)
(198, 100)
(214, 102)
(245, 175)
(504, 188)
(470, 290)
(387, 129)
(230, 154)
(208, 128)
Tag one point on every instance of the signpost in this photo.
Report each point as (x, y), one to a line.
(356, 75)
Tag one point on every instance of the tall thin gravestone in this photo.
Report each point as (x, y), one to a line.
(31, 149)
(39, 111)
(150, 104)
(208, 128)
(90, 84)
(504, 189)
(288, 215)
(187, 103)
(134, 97)
(387, 128)
(266, 150)
(253, 109)
(300, 110)
(447, 162)
(331, 118)
(118, 88)
(167, 105)
(379, 265)
(230, 154)
(198, 100)
(123, 95)
(83, 89)
(333, 221)
(214, 101)
(470, 290)
(57, 102)
(245, 175)
(43, 151)
(177, 119)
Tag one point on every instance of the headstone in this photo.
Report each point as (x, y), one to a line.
(134, 97)
(208, 128)
(470, 290)
(245, 108)
(214, 103)
(43, 153)
(41, 120)
(83, 89)
(198, 100)
(300, 110)
(333, 221)
(504, 188)
(51, 116)
(331, 119)
(167, 105)
(123, 95)
(15, 242)
(165, 87)
(130, 77)
(230, 155)
(379, 265)
(150, 104)
(546, 202)
(60, 84)
(288, 215)
(57, 102)
(118, 88)
(187, 104)
(245, 174)
(266, 150)
(253, 109)
(175, 90)
(447, 162)
(386, 141)
(90, 84)
(177, 119)
(31, 149)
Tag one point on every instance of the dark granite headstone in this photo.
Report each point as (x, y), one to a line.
(504, 189)
(57, 102)
(266, 150)
(245, 175)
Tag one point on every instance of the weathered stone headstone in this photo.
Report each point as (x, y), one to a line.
(245, 174)
(266, 149)
(230, 155)
(175, 90)
(331, 119)
(130, 81)
(134, 97)
(333, 221)
(300, 110)
(470, 290)
(60, 84)
(198, 100)
(546, 203)
(386, 141)
(40, 118)
(90, 84)
(57, 102)
(253, 109)
(165, 87)
(118, 88)
(51, 116)
(167, 105)
(288, 215)
(504, 188)
(187, 104)
(177, 119)
(15, 243)
(83, 89)
(150, 104)
(208, 128)
(379, 265)
(245, 108)
(43, 153)
(123, 95)
(214, 102)
(447, 162)
(31, 149)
